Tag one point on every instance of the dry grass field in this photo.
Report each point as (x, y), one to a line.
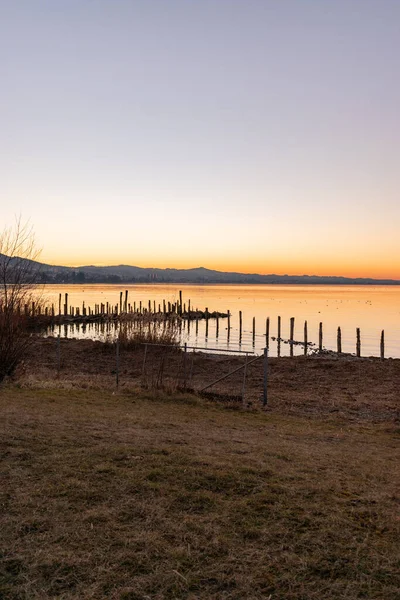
(135, 495)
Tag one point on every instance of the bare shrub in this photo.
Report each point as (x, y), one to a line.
(18, 280)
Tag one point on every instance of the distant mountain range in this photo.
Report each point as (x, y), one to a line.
(200, 275)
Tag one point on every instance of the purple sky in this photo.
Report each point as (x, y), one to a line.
(256, 135)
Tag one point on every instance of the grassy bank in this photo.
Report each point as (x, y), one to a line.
(125, 496)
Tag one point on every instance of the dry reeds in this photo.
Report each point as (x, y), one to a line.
(132, 335)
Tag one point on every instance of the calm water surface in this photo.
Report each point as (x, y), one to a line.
(371, 308)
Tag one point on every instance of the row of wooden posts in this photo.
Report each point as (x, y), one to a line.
(179, 308)
(124, 307)
(107, 309)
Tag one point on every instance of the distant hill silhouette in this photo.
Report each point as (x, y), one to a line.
(132, 274)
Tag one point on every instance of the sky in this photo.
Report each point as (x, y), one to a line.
(246, 135)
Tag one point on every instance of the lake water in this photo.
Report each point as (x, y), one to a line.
(371, 308)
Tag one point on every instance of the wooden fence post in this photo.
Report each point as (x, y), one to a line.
(240, 326)
(244, 380)
(117, 361)
(279, 337)
(382, 344)
(305, 338)
(291, 335)
(265, 390)
(358, 343)
(267, 332)
(339, 340)
(320, 337)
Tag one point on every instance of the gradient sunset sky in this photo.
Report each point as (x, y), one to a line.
(252, 135)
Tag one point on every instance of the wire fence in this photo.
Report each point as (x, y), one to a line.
(234, 375)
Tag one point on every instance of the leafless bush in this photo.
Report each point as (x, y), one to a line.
(18, 280)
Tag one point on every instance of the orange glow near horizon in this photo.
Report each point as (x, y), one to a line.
(374, 269)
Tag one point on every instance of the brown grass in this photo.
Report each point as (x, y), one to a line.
(351, 389)
(131, 496)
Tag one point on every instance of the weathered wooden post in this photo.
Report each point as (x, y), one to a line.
(358, 343)
(59, 304)
(217, 327)
(244, 380)
(66, 305)
(240, 326)
(207, 323)
(58, 355)
(184, 365)
(305, 338)
(265, 389)
(254, 330)
(279, 337)
(180, 303)
(117, 361)
(339, 340)
(229, 320)
(291, 335)
(120, 302)
(126, 301)
(267, 332)
(382, 344)
(320, 338)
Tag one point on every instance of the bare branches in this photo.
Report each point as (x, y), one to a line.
(18, 279)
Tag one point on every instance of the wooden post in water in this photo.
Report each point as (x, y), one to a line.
(240, 326)
(189, 305)
(229, 320)
(66, 305)
(382, 344)
(291, 335)
(320, 338)
(120, 302)
(217, 326)
(180, 303)
(59, 304)
(126, 301)
(206, 323)
(140, 307)
(149, 306)
(339, 340)
(254, 330)
(358, 343)
(305, 338)
(267, 333)
(164, 307)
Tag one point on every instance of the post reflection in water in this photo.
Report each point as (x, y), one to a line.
(369, 309)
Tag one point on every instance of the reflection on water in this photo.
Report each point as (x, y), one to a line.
(369, 308)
